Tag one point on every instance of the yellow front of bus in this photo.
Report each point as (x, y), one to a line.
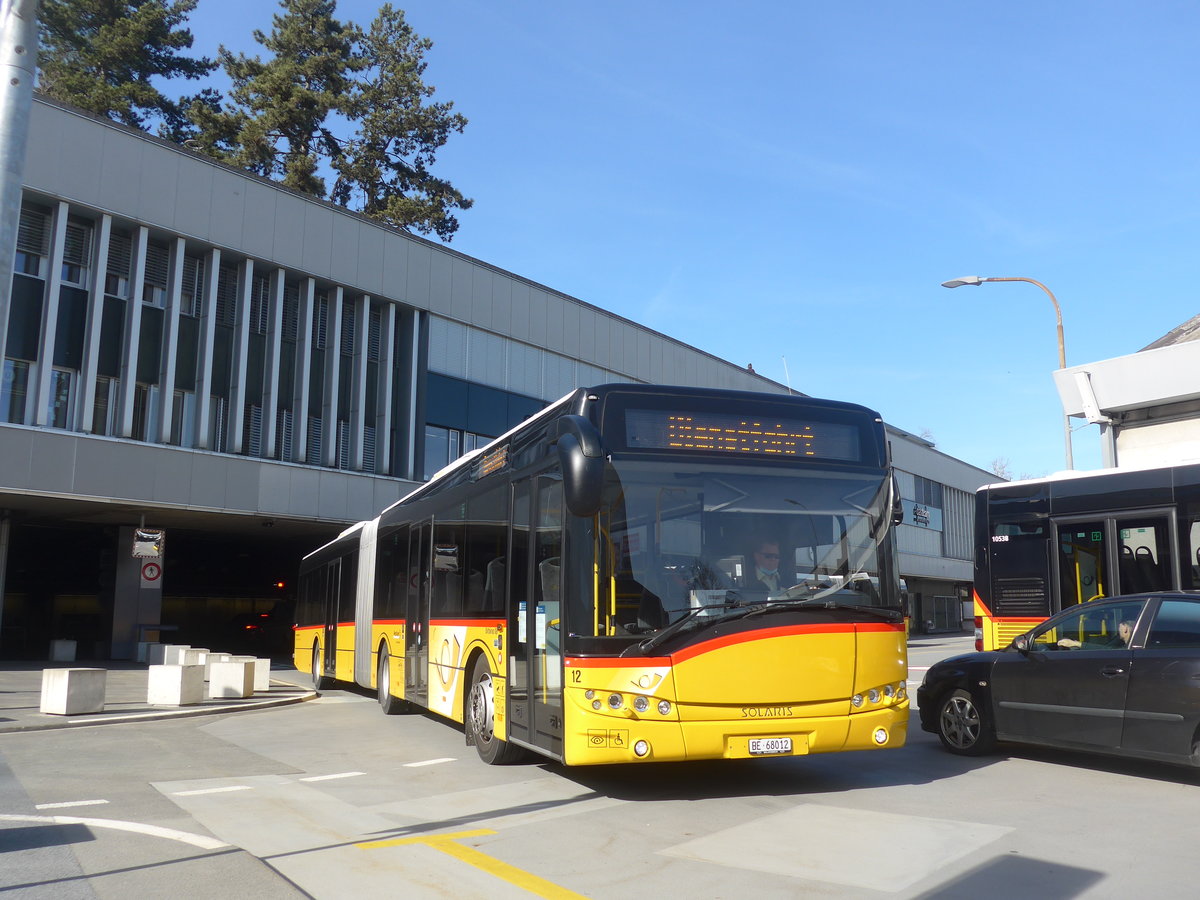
(783, 687)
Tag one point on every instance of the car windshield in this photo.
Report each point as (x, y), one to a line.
(700, 541)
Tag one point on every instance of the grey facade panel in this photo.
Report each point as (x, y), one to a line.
(440, 283)
(287, 231)
(227, 196)
(120, 166)
(370, 256)
(479, 310)
(318, 240)
(79, 166)
(414, 263)
(502, 305)
(258, 221)
(520, 313)
(538, 332)
(343, 252)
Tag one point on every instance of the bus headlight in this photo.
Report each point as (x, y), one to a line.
(641, 704)
(641, 749)
(873, 695)
(615, 701)
(880, 736)
(664, 707)
(856, 700)
(589, 694)
(888, 690)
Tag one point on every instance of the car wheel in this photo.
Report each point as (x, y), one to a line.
(963, 726)
(481, 718)
(388, 702)
(319, 681)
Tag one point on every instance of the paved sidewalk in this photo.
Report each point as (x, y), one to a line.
(125, 696)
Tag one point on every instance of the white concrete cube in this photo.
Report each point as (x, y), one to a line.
(194, 656)
(209, 659)
(230, 679)
(62, 651)
(175, 685)
(173, 655)
(73, 692)
(156, 653)
(262, 672)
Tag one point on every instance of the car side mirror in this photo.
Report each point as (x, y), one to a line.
(1021, 644)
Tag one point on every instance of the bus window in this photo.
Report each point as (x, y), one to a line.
(1082, 565)
(1145, 555)
(1192, 562)
(487, 520)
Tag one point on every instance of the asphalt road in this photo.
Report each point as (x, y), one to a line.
(331, 799)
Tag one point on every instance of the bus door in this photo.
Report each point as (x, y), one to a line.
(1127, 553)
(416, 629)
(535, 705)
(332, 603)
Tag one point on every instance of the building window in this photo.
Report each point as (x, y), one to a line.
(260, 303)
(928, 493)
(145, 410)
(14, 386)
(291, 311)
(62, 398)
(120, 258)
(192, 294)
(320, 321)
(348, 328)
(283, 435)
(77, 253)
(154, 285)
(217, 432)
(227, 282)
(104, 407)
(252, 428)
(183, 419)
(33, 238)
(444, 445)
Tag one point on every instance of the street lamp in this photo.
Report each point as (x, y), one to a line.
(1062, 350)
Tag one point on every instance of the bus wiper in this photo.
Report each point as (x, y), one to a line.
(732, 601)
(890, 615)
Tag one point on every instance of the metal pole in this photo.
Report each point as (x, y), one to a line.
(18, 65)
(1062, 356)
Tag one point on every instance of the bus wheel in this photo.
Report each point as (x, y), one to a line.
(319, 681)
(388, 702)
(963, 727)
(481, 718)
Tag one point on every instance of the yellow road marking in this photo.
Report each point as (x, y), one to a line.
(447, 843)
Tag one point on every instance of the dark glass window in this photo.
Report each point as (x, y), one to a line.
(1176, 625)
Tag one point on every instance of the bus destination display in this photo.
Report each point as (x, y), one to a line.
(772, 436)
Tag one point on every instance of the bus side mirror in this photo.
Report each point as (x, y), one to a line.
(582, 458)
(897, 505)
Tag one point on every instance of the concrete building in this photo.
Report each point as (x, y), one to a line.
(1147, 404)
(197, 351)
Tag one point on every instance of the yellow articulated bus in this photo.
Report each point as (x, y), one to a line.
(637, 573)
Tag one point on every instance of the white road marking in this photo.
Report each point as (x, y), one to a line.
(70, 803)
(196, 840)
(429, 762)
(220, 790)
(331, 777)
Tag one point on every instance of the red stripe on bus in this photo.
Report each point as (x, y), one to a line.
(979, 600)
(478, 623)
(616, 662)
(388, 621)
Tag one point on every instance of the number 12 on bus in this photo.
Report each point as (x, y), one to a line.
(635, 573)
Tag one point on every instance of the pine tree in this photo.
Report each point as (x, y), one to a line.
(385, 167)
(102, 55)
(333, 100)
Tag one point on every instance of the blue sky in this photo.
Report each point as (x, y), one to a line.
(794, 180)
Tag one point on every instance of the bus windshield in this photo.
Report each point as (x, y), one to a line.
(698, 540)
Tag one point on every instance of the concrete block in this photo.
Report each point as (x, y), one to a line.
(194, 656)
(209, 659)
(62, 651)
(174, 654)
(262, 672)
(73, 692)
(143, 651)
(156, 653)
(230, 679)
(175, 685)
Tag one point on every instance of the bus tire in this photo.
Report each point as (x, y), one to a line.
(388, 702)
(481, 718)
(319, 681)
(963, 725)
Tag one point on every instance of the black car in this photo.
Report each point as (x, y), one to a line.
(1119, 676)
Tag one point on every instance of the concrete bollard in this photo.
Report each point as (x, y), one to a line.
(262, 672)
(173, 656)
(62, 650)
(175, 685)
(230, 679)
(156, 654)
(194, 656)
(209, 659)
(73, 692)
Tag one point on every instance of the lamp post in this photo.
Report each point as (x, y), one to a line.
(1062, 350)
